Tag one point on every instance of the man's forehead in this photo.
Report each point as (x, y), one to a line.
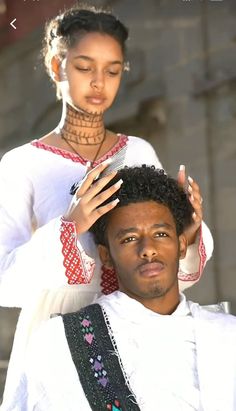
(139, 214)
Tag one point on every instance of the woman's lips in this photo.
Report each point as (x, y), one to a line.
(95, 100)
(151, 269)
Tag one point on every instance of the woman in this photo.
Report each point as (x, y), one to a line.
(47, 258)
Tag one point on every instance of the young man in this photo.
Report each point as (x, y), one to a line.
(143, 347)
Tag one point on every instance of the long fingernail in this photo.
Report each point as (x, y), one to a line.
(182, 167)
(118, 183)
(190, 179)
(107, 161)
(97, 177)
(115, 201)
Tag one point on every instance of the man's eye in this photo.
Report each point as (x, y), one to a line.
(129, 239)
(161, 235)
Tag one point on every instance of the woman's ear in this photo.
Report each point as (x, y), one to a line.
(55, 70)
(104, 255)
(183, 244)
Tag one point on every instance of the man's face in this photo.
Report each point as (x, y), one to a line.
(144, 249)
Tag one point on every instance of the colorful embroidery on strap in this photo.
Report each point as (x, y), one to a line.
(96, 361)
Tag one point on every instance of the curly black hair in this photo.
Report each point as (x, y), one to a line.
(146, 183)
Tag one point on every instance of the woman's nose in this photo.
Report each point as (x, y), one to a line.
(97, 83)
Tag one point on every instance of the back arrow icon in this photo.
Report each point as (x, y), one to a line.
(12, 24)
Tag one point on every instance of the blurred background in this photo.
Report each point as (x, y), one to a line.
(180, 95)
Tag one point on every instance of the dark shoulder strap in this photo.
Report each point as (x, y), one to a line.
(96, 361)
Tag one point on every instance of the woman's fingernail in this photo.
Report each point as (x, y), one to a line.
(118, 183)
(88, 164)
(182, 167)
(194, 215)
(115, 201)
(190, 179)
(190, 189)
(192, 198)
(97, 177)
(107, 161)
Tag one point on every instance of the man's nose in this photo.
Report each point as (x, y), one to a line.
(148, 248)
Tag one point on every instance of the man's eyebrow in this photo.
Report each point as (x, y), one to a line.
(124, 231)
(90, 59)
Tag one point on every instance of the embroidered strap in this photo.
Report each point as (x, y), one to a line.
(96, 361)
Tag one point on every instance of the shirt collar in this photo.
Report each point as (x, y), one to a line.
(126, 305)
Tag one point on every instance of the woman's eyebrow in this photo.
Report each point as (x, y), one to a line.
(87, 58)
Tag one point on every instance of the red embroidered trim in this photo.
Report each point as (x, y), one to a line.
(79, 266)
(109, 282)
(77, 158)
(202, 254)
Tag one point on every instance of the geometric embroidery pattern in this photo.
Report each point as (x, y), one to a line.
(79, 266)
(109, 281)
(202, 254)
(123, 139)
(96, 361)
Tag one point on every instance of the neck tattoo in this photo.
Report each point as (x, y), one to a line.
(82, 128)
(92, 163)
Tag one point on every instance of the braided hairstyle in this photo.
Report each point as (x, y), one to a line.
(146, 183)
(63, 31)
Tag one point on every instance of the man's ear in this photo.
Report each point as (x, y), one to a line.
(183, 244)
(56, 68)
(104, 255)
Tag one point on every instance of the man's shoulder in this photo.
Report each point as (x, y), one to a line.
(204, 313)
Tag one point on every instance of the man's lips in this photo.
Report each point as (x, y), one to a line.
(151, 269)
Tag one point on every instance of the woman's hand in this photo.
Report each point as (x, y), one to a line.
(196, 201)
(85, 207)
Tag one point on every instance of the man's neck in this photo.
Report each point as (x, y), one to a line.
(164, 305)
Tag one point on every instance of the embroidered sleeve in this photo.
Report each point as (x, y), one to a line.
(79, 267)
(192, 266)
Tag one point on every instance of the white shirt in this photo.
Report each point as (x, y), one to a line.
(158, 354)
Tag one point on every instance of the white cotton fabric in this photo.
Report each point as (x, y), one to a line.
(34, 194)
(194, 372)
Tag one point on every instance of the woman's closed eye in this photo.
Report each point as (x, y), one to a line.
(83, 69)
(113, 73)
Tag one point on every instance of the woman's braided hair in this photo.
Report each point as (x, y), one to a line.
(63, 31)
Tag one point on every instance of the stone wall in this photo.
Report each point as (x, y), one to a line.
(180, 95)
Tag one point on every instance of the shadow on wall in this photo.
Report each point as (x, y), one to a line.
(8, 319)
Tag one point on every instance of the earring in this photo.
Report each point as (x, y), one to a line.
(126, 66)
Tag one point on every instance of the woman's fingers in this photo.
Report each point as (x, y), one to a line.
(195, 199)
(181, 178)
(97, 187)
(104, 209)
(91, 176)
(100, 198)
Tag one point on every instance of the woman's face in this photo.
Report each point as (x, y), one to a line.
(90, 74)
